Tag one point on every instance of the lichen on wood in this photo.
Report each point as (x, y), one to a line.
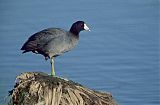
(37, 88)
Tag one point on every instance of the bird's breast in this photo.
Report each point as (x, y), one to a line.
(70, 43)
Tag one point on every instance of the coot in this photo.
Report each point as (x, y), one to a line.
(53, 42)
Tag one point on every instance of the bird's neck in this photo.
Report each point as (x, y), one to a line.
(74, 31)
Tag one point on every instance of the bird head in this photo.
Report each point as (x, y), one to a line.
(79, 26)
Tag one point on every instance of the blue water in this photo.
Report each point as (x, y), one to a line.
(120, 54)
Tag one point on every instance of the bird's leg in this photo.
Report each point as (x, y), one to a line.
(52, 66)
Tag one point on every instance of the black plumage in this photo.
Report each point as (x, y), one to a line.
(53, 42)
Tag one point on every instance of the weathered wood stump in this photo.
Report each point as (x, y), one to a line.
(37, 88)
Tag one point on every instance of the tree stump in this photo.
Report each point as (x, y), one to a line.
(37, 88)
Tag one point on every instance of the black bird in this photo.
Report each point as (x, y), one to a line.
(53, 42)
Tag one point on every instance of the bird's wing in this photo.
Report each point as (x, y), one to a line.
(47, 34)
(39, 39)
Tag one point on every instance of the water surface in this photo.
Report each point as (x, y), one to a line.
(119, 55)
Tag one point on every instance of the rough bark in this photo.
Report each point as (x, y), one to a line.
(37, 88)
